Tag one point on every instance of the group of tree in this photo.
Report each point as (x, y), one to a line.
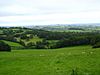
(37, 45)
(4, 46)
(65, 39)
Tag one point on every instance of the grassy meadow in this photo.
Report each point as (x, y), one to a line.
(13, 44)
(79, 60)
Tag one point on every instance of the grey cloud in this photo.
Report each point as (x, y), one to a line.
(49, 6)
(46, 7)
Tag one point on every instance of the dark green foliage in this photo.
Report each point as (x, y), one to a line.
(30, 45)
(74, 72)
(23, 36)
(31, 36)
(72, 42)
(75, 29)
(64, 39)
(39, 45)
(42, 44)
(96, 45)
(22, 43)
(4, 46)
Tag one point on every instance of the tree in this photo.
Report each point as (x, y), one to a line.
(39, 45)
(30, 45)
(42, 44)
(97, 45)
(22, 43)
(4, 46)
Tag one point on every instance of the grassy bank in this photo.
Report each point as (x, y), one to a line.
(82, 60)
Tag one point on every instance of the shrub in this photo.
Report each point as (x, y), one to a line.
(4, 46)
(97, 45)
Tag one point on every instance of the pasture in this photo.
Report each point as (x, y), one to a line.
(79, 60)
(14, 45)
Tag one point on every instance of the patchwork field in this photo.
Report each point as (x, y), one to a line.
(13, 45)
(80, 60)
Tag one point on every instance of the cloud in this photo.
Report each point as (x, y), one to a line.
(82, 17)
(17, 12)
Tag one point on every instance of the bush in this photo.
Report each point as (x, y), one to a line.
(4, 46)
(97, 45)
(42, 44)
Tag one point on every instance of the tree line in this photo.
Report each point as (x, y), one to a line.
(64, 39)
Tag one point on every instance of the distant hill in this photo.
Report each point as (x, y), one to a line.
(67, 27)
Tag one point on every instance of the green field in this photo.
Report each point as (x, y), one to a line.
(35, 39)
(13, 44)
(82, 59)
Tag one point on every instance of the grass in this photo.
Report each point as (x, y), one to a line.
(35, 39)
(12, 43)
(1, 32)
(63, 61)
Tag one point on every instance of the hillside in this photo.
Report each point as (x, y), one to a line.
(82, 60)
(44, 52)
(30, 38)
(13, 44)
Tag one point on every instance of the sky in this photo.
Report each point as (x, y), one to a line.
(44, 12)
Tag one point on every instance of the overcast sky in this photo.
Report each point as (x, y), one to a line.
(42, 12)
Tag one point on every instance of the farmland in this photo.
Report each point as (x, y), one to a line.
(44, 52)
(82, 59)
(49, 37)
